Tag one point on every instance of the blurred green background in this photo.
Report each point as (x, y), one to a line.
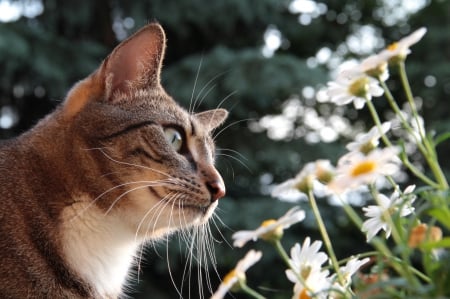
(264, 60)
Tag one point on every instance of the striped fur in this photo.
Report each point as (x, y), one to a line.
(84, 188)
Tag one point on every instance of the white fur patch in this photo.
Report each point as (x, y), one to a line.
(99, 248)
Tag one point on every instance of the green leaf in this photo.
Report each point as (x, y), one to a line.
(442, 215)
(444, 243)
(441, 138)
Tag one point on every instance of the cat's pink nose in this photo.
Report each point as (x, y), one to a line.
(217, 189)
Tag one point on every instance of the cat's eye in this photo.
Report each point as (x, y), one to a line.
(174, 138)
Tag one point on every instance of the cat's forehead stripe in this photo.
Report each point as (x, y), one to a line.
(129, 128)
(193, 130)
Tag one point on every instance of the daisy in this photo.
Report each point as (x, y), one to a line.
(238, 273)
(269, 229)
(306, 262)
(396, 204)
(375, 66)
(365, 143)
(355, 169)
(320, 170)
(399, 50)
(351, 268)
(346, 273)
(318, 284)
(352, 85)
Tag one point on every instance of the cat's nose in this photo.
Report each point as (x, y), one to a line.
(217, 189)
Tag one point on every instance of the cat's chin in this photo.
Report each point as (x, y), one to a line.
(169, 219)
(199, 214)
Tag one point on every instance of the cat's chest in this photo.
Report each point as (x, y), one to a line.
(98, 248)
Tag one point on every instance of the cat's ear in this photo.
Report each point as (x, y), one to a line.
(133, 64)
(136, 62)
(211, 119)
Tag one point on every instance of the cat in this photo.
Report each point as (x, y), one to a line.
(118, 163)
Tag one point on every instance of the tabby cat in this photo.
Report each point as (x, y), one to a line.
(118, 163)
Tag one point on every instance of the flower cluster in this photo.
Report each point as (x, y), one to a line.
(371, 165)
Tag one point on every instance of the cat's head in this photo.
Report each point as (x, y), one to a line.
(152, 161)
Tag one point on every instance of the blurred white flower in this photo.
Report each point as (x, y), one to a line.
(352, 85)
(395, 204)
(318, 285)
(238, 273)
(401, 49)
(269, 227)
(351, 268)
(320, 170)
(365, 143)
(355, 169)
(375, 66)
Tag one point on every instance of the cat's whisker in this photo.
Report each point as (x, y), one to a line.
(196, 104)
(234, 152)
(179, 291)
(188, 239)
(157, 206)
(191, 106)
(223, 101)
(132, 164)
(235, 159)
(93, 202)
(198, 101)
(230, 125)
(222, 224)
(129, 191)
(159, 203)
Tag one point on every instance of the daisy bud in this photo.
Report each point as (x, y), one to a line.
(306, 184)
(378, 72)
(359, 88)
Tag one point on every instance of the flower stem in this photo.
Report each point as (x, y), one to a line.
(410, 130)
(249, 291)
(282, 253)
(376, 119)
(325, 236)
(429, 153)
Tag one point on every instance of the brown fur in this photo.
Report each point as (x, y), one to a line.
(107, 133)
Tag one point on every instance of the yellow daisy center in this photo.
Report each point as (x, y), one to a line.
(304, 295)
(392, 47)
(362, 168)
(359, 87)
(273, 235)
(268, 222)
(305, 271)
(229, 276)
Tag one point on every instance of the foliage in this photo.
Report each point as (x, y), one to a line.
(413, 264)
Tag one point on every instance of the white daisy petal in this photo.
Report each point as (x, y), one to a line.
(291, 217)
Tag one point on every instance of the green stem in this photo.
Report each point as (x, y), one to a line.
(430, 152)
(249, 291)
(377, 121)
(410, 130)
(325, 236)
(410, 97)
(283, 254)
